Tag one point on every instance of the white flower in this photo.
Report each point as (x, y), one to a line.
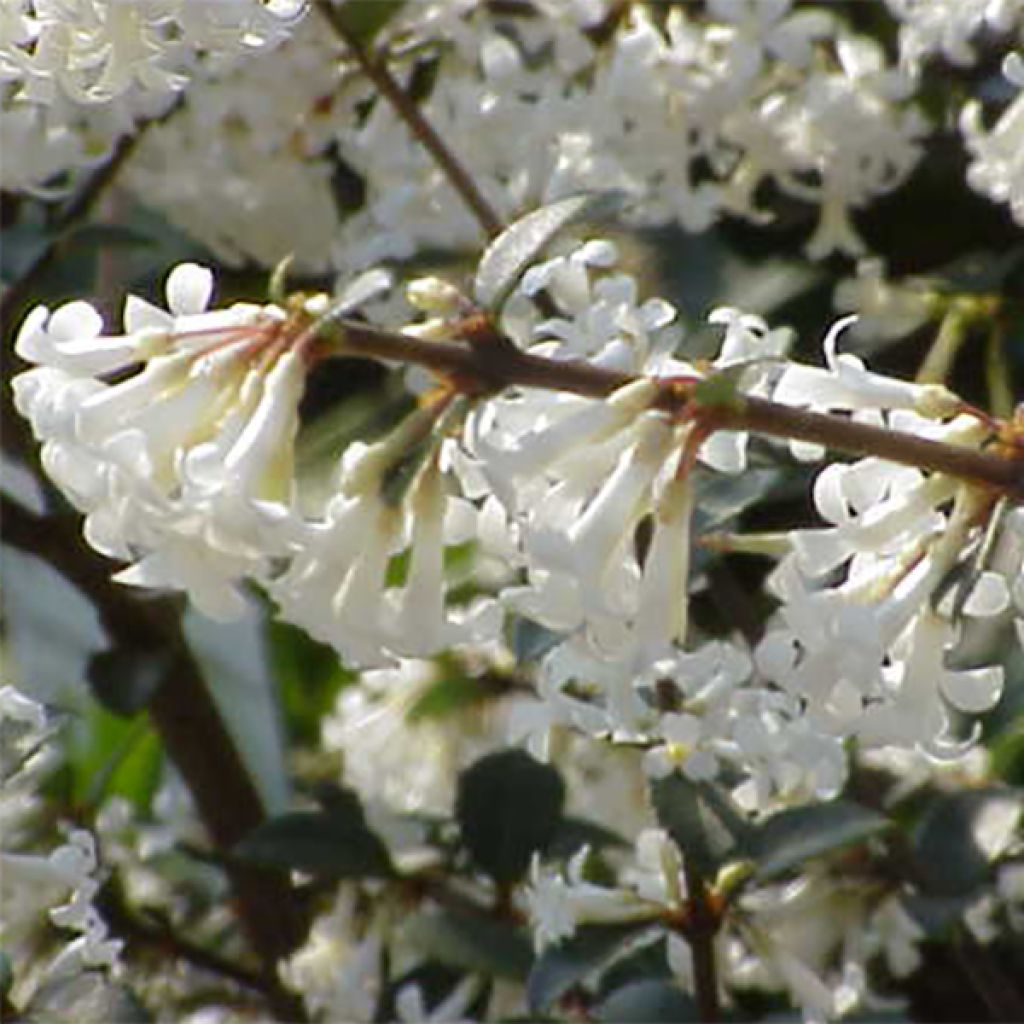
(846, 383)
(338, 969)
(339, 585)
(946, 26)
(885, 309)
(558, 904)
(183, 468)
(867, 642)
(412, 1007)
(997, 154)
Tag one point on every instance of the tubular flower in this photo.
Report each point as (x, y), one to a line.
(174, 438)
(343, 584)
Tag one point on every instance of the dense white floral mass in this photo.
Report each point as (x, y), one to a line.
(75, 77)
(57, 887)
(532, 560)
(185, 470)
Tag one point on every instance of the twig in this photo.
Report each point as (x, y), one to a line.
(500, 366)
(999, 993)
(702, 926)
(424, 132)
(130, 927)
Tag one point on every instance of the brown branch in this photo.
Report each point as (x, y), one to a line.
(701, 927)
(500, 366)
(190, 728)
(416, 121)
(136, 931)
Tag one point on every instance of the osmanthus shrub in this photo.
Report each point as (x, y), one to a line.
(634, 665)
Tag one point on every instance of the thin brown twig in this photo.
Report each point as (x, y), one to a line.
(416, 121)
(137, 932)
(498, 367)
(702, 926)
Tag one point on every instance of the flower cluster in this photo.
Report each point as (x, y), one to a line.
(185, 470)
(77, 76)
(58, 887)
(658, 646)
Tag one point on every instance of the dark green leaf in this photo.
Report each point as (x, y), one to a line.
(981, 273)
(363, 19)
(645, 960)
(1007, 755)
(701, 820)
(308, 674)
(113, 756)
(124, 680)
(6, 975)
(436, 982)
(788, 838)
(336, 843)
(721, 497)
(111, 236)
(519, 245)
(473, 942)
(937, 915)
(574, 833)
(23, 244)
(648, 1002)
(560, 968)
(953, 842)
(509, 806)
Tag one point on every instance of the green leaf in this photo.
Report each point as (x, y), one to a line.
(789, 838)
(722, 497)
(363, 19)
(125, 679)
(113, 756)
(981, 273)
(436, 982)
(937, 915)
(1007, 755)
(508, 256)
(336, 843)
(959, 837)
(648, 1002)
(701, 820)
(722, 387)
(574, 833)
(23, 245)
(309, 676)
(473, 942)
(6, 974)
(508, 807)
(453, 690)
(560, 968)
(111, 236)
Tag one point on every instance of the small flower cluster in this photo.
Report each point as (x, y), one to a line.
(76, 76)
(58, 887)
(811, 938)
